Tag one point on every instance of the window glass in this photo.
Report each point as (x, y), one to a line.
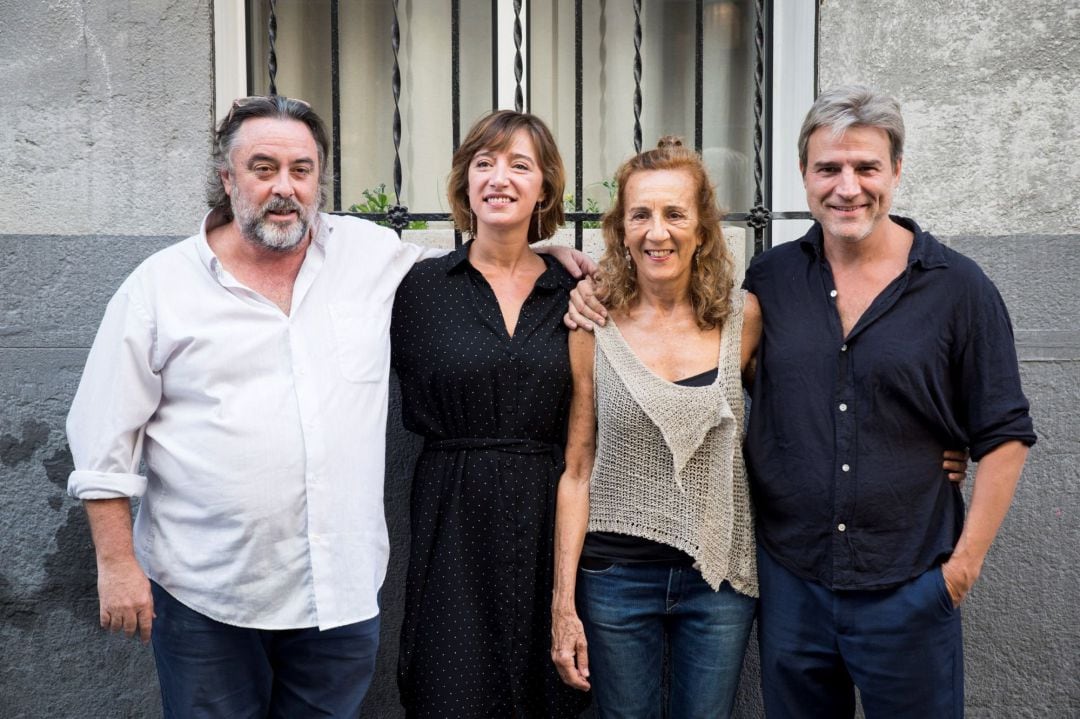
(667, 85)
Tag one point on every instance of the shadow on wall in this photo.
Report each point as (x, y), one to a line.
(69, 567)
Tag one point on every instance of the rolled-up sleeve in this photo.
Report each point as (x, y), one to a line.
(993, 406)
(120, 390)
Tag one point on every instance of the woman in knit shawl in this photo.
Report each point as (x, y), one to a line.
(654, 536)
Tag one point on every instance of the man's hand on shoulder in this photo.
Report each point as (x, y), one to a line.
(126, 604)
(584, 307)
(576, 262)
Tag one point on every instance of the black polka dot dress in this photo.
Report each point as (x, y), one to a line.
(476, 635)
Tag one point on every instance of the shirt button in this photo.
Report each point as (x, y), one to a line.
(841, 527)
(843, 348)
(846, 467)
(843, 407)
(832, 293)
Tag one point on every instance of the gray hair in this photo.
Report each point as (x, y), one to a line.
(249, 108)
(847, 106)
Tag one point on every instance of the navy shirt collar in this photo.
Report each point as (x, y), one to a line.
(926, 251)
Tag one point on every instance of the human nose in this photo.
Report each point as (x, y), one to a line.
(657, 229)
(847, 184)
(499, 172)
(283, 186)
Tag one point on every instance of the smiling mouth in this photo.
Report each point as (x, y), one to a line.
(499, 200)
(658, 254)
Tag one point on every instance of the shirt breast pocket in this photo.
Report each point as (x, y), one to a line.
(362, 339)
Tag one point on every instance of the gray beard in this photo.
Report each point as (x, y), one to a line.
(278, 237)
(274, 236)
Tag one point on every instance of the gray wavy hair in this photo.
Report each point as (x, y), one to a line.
(249, 108)
(847, 106)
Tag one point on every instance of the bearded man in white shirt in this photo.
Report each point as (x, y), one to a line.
(247, 367)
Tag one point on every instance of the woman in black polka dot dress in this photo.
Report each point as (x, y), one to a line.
(480, 348)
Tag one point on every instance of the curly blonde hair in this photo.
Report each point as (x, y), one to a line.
(713, 271)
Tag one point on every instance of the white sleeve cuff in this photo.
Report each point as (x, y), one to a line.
(84, 484)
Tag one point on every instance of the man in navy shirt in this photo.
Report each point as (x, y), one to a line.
(881, 348)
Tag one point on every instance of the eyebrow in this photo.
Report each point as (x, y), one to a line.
(821, 164)
(485, 152)
(260, 157)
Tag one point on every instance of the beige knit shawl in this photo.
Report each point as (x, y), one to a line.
(669, 464)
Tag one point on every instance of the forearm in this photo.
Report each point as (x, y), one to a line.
(995, 482)
(571, 521)
(110, 527)
(125, 599)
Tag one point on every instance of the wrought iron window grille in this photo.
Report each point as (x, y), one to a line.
(758, 217)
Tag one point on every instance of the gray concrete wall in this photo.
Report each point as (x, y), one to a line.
(107, 112)
(107, 109)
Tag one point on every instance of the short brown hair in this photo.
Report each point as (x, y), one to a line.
(495, 131)
(713, 272)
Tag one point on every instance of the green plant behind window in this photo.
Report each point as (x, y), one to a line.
(592, 205)
(377, 201)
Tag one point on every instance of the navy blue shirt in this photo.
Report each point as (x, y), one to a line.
(846, 435)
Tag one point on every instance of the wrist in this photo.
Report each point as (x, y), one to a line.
(116, 560)
(563, 608)
(965, 567)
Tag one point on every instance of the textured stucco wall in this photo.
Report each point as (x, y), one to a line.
(106, 107)
(107, 110)
(990, 97)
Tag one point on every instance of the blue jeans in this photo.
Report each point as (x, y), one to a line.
(212, 670)
(631, 610)
(902, 647)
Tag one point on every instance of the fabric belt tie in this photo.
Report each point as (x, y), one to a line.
(496, 444)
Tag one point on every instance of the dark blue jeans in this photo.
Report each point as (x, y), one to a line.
(212, 670)
(630, 610)
(901, 647)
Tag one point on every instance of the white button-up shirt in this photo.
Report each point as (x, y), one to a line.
(263, 434)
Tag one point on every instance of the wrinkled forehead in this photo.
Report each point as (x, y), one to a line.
(275, 135)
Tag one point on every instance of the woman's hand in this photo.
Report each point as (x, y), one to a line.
(569, 650)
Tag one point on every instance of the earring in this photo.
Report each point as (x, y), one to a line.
(472, 223)
(626, 256)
